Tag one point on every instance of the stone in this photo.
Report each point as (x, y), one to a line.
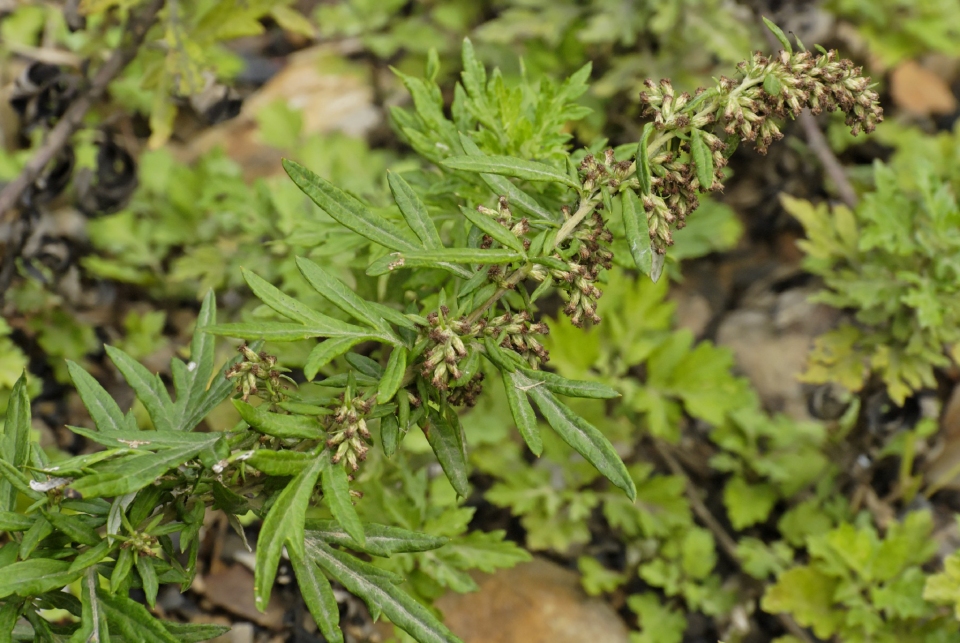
(535, 602)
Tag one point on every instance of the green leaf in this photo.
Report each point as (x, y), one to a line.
(445, 441)
(442, 259)
(125, 475)
(572, 388)
(336, 491)
(748, 504)
(283, 332)
(390, 434)
(776, 31)
(702, 159)
(148, 387)
(278, 424)
(284, 304)
(340, 295)
(414, 211)
(381, 540)
(392, 375)
(807, 594)
(36, 576)
(504, 187)
(347, 210)
(510, 166)
(147, 440)
(11, 521)
(148, 578)
(220, 388)
(284, 525)
(637, 238)
(366, 581)
(121, 570)
(325, 352)
(659, 623)
(771, 85)
(584, 438)
(17, 480)
(191, 387)
(9, 613)
(133, 621)
(100, 404)
(493, 229)
(194, 632)
(514, 384)
(318, 596)
(73, 527)
(15, 442)
(280, 463)
(93, 620)
(643, 161)
(91, 556)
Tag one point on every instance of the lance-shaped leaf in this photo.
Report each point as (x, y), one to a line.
(503, 187)
(347, 210)
(128, 474)
(584, 438)
(279, 425)
(492, 229)
(284, 525)
(325, 352)
(284, 332)
(147, 440)
(414, 211)
(191, 380)
(318, 595)
(36, 576)
(93, 620)
(284, 304)
(336, 493)
(644, 175)
(194, 632)
(381, 540)
(149, 388)
(572, 388)
(12, 521)
(702, 159)
(442, 259)
(280, 463)
(338, 294)
(133, 621)
(15, 441)
(106, 415)
(392, 375)
(366, 581)
(776, 31)
(219, 390)
(444, 439)
(516, 387)
(390, 434)
(637, 238)
(510, 166)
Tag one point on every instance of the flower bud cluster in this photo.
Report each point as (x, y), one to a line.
(347, 432)
(441, 361)
(608, 171)
(258, 374)
(517, 331)
(576, 283)
(504, 216)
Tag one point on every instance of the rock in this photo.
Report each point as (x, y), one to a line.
(921, 92)
(536, 602)
(232, 590)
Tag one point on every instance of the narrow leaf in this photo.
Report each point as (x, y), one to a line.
(325, 352)
(510, 166)
(392, 375)
(280, 463)
(414, 211)
(283, 332)
(93, 620)
(366, 581)
(340, 295)
(637, 238)
(197, 372)
(148, 387)
(279, 425)
(643, 161)
(444, 439)
(345, 209)
(133, 621)
(493, 229)
(36, 576)
(125, 475)
(336, 493)
(776, 31)
(284, 304)
(572, 388)
(100, 404)
(194, 632)
(381, 540)
(585, 439)
(523, 415)
(220, 388)
(442, 259)
(148, 578)
(284, 525)
(318, 595)
(390, 434)
(702, 159)
(15, 443)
